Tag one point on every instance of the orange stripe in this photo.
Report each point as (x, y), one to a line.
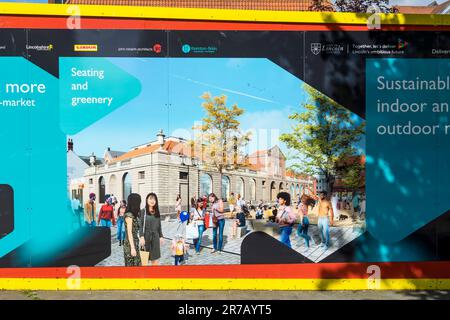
(145, 24)
(418, 270)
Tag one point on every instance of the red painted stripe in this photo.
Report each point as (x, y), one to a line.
(40, 22)
(413, 270)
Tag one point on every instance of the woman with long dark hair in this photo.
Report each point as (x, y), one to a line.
(131, 244)
(217, 213)
(198, 217)
(151, 236)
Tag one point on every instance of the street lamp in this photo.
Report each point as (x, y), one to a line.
(189, 162)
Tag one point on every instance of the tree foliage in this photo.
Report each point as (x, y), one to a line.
(361, 6)
(352, 175)
(321, 5)
(219, 138)
(324, 135)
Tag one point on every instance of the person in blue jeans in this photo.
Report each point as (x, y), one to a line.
(217, 211)
(198, 217)
(121, 222)
(325, 220)
(302, 229)
(285, 217)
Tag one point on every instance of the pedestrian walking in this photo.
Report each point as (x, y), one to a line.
(131, 243)
(90, 211)
(198, 218)
(106, 214)
(121, 221)
(179, 249)
(218, 218)
(302, 228)
(151, 236)
(285, 217)
(178, 205)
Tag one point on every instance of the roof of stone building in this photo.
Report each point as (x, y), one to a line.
(432, 8)
(285, 5)
(115, 154)
(87, 160)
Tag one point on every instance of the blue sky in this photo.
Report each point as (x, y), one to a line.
(266, 92)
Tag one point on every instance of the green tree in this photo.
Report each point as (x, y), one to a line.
(219, 138)
(352, 174)
(324, 135)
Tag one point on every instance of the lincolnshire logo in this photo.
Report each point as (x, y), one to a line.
(186, 48)
(40, 47)
(85, 47)
(316, 48)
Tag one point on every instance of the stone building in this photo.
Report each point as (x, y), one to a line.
(165, 166)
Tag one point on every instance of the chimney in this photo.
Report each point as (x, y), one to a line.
(70, 145)
(92, 159)
(160, 139)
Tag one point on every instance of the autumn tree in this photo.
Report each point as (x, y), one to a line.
(219, 138)
(323, 135)
(321, 5)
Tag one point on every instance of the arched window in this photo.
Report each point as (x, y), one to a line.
(293, 194)
(126, 185)
(101, 190)
(297, 189)
(205, 184)
(113, 185)
(225, 188)
(252, 189)
(273, 191)
(240, 187)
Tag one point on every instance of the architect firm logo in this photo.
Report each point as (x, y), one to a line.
(316, 48)
(85, 48)
(186, 48)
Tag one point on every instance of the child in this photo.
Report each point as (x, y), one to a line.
(178, 249)
(238, 222)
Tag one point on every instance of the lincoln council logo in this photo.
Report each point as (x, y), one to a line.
(186, 48)
(316, 48)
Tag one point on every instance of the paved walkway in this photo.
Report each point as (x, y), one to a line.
(232, 247)
(224, 295)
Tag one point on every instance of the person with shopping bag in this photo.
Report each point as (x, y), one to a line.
(218, 220)
(198, 219)
(131, 243)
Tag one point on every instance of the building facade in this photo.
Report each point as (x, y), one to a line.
(166, 167)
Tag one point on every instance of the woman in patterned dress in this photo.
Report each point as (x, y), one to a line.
(131, 245)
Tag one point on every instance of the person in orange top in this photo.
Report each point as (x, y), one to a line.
(106, 214)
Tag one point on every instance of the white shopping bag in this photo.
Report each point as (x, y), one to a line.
(192, 231)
